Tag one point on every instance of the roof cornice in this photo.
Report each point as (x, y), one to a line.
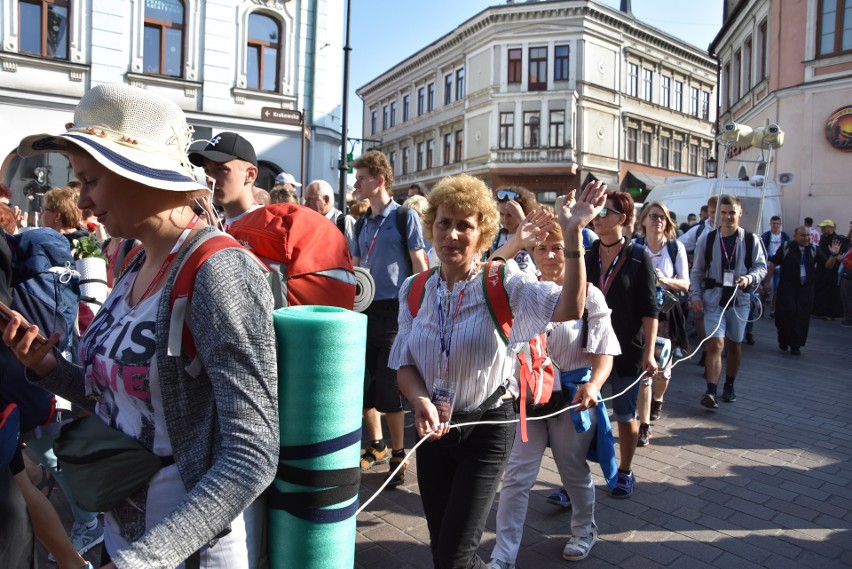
(544, 12)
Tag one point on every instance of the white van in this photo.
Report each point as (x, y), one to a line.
(686, 194)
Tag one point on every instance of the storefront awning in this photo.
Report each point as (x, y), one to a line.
(609, 179)
(643, 181)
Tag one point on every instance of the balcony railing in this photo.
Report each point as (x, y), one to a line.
(526, 155)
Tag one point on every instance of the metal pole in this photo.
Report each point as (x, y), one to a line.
(345, 112)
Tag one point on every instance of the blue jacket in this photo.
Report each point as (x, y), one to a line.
(602, 450)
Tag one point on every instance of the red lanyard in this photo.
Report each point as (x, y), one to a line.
(728, 258)
(373, 241)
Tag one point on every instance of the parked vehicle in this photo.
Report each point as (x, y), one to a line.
(686, 194)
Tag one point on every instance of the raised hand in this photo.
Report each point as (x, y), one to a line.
(533, 228)
(834, 247)
(579, 213)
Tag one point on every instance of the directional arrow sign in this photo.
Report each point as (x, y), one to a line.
(283, 116)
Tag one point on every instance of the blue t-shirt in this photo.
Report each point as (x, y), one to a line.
(388, 258)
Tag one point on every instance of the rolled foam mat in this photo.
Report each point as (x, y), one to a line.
(312, 503)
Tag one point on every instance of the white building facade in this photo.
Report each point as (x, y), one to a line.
(546, 95)
(790, 63)
(248, 66)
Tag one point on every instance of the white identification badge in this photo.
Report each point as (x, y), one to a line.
(728, 278)
(443, 397)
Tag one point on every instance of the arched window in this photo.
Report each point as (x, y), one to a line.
(43, 28)
(163, 44)
(263, 53)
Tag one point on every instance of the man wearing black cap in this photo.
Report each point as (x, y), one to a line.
(230, 160)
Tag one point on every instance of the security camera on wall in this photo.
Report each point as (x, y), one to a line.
(736, 134)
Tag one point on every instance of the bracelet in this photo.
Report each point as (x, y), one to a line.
(575, 254)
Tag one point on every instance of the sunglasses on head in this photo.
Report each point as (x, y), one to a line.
(506, 195)
(607, 210)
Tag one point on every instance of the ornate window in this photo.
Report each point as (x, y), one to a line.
(405, 158)
(459, 145)
(448, 148)
(162, 52)
(430, 97)
(514, 67)
(507, 130)
(538, 69)
(448, 88)
(834, 27)
(263, 54)
(647, 84)
(665, 91)
(406, 108)
(430, 152)
(632, 79)
(460, 83)
(560, 62)
(557, 129)
(631, 144)
(44, 28)
(532, 129)
(665, 143)
(646, 148)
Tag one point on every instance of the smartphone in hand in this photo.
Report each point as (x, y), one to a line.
(6, 315)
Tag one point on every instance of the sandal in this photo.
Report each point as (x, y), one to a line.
(373, 456)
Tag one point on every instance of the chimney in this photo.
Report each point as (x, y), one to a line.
(625, 7)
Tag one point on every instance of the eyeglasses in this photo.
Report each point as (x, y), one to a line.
(607, 210)
(506, 195)
(656, 217)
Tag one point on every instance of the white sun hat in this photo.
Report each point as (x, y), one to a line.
(132, 132)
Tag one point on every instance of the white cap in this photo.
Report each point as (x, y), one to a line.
(287, 178)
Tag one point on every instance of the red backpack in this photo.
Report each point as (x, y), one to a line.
(309, 263)
(536, 371)
(306, 264)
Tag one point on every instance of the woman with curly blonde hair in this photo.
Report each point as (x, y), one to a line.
(453, 365)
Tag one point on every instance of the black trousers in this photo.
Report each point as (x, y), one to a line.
(457, 487)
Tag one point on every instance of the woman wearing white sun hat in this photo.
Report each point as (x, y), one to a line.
(128, 147)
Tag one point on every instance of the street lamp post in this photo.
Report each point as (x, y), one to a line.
(712, 165)
(345, 113)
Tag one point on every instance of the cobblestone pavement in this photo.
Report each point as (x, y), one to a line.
(762, 482)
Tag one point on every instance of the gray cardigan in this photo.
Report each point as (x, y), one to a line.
(712, 297)
(223, 425)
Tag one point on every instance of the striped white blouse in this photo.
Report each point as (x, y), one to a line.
(564, 342)
(479, 361)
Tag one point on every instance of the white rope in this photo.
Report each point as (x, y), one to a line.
(554, 414)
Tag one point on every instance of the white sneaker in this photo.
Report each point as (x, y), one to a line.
(578, 548)
(497, 564)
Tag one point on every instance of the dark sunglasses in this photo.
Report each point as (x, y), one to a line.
(607, 210)
(656, 217)
(506, 195)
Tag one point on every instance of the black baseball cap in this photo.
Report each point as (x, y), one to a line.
(224, 147)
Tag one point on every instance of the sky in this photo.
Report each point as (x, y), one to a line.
(384, 32)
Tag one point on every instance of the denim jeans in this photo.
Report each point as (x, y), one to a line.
(457, 487)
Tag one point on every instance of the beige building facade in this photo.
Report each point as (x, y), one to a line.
(546, 95)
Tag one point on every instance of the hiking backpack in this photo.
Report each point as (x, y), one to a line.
(536, 370)
(308, 264)
(46, 291)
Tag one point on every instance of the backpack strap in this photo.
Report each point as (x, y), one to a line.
(671, 245)
(128, 259)
(749, 239)
(180, 339)
(497, 299)
(417, 291)
(708, 247)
